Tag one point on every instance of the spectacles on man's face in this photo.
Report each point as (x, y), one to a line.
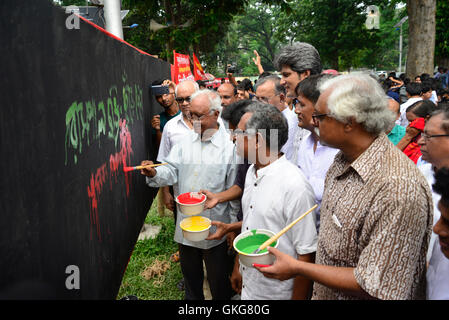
(426, 136)
(242, 133)
(319, 116)
(263, 99)
(196, 117)
(181, 100)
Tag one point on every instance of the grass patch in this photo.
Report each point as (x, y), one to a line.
(152, 252)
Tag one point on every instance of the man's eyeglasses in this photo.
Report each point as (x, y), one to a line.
(239, 132)
(195, 117)
(181, 100)
(318, 117)
(262, 99)
(426, 136)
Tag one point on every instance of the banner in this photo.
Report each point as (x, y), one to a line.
(198, 70)
(182, 67)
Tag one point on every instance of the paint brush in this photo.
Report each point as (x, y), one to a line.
(127, 169)
(280, 233)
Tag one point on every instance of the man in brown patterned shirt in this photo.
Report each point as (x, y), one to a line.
(376, 209)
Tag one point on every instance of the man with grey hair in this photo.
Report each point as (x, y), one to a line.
(376, 212)
(276, 193)
(296, 62)
(203, 159)
(269, 90)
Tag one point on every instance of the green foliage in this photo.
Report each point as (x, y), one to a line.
(207, 23)
(442, 30)
(337, 29)
(144, 254)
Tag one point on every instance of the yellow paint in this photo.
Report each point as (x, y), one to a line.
(195, 223)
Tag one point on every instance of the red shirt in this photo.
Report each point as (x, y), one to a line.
(413, 150)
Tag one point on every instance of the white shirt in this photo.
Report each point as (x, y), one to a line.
(402, 121)
(427, 171)
(275, 197)
(295, 135)
(438, 275)
(194, 165)
(434, 97)
(174, 131)
(315, 165)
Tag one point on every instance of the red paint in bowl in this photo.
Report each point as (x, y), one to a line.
(186, 198)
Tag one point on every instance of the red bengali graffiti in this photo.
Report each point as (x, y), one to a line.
(116, 163)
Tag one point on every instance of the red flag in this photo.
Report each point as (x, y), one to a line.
(182, 67)
(197, 69)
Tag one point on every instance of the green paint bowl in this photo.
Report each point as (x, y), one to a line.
(248, 241)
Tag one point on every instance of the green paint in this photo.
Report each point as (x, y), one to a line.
(89, 121)
(252, 243)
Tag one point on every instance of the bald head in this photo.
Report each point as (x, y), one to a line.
(393, 105)
(188, 85)
(228, 94)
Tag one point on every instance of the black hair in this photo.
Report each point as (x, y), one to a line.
(426, 86)
(157, 82)
(422, 108)
(234, 112)
(309, 86)
(264, 74)
(201, 83)
(414, 88)
(247, 84)
(441, 185)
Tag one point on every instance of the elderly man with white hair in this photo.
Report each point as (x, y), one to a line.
(376, 212)
(203, 159)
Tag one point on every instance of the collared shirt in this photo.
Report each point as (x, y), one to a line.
(402, 121)
(272, 199)
(295, 135)
(194, 165)
(174, 131)
(426, 169)
(376, 217)
(438, 275)
(314, 165)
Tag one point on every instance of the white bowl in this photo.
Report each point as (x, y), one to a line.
(195, 235)
(248, 259)
(191, 209)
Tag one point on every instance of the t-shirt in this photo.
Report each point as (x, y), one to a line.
(164, 118)
(396, 134)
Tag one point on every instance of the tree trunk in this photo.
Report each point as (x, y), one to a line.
(421, 39)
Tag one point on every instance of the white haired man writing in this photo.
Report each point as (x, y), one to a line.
(204, 159)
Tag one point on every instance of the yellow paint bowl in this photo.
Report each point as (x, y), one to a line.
(195, 228)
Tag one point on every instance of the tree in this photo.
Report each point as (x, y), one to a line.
(442, 34)
(337, 29)
(255, 29)
(190, 25)
(421, 14)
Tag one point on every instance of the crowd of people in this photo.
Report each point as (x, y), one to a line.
(372, 153)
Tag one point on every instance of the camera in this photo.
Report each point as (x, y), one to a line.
(231, 69)
(159, 90)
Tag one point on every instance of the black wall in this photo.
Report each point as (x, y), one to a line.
(75, 108)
